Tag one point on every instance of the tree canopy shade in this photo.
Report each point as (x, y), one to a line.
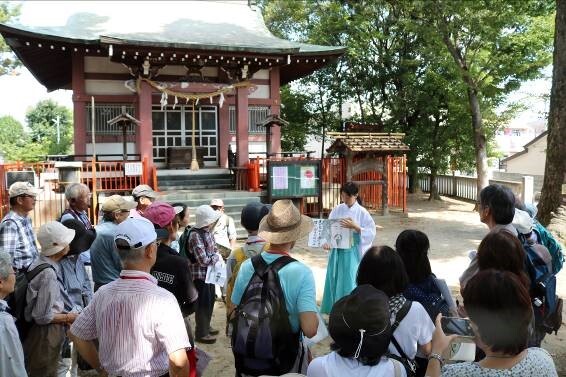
(495, 45)
(429, 68)
(8, 61)
(555, 169)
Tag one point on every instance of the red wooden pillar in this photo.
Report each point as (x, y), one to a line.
(79, 110)
(223, 135)
(275, 95)
(242, 126)
(144, 138)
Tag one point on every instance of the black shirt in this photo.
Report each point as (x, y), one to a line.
(172, 273)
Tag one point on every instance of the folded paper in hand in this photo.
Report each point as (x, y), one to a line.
(216, 274)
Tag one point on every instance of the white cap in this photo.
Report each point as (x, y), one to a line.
(21, 188)
(217, 202)
(136, 231)
(205, 215)
(54, 237)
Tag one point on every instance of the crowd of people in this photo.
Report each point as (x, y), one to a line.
(118, 297)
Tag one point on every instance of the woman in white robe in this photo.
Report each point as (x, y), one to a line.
(343, 262)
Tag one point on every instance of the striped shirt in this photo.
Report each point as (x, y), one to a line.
(16, 237)
(137, 325)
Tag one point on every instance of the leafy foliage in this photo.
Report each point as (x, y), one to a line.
(8, 61)
(412, 67)
(42, 122)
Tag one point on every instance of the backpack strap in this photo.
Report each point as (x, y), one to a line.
(398, 318)
(261, 267)
(30, 275)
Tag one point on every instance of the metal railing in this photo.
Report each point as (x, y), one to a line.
(103, 113)
(108, 177)
(465, 187)
(256, 114)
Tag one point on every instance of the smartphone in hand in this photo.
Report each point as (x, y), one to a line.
(457, 326)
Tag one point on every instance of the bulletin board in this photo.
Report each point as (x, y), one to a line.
(294, 179)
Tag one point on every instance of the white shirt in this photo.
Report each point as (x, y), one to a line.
(334, 365)
(415, 329)
(362, 217)
(137, 323)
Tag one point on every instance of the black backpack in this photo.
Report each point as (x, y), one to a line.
(263, 341)
(547, 306)
(17, 301)
(409, 364)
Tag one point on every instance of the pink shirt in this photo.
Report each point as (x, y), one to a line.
(137, 325)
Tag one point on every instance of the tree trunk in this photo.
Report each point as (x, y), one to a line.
(412, 166)
(480, 144)
(434, 195)
(555, 169)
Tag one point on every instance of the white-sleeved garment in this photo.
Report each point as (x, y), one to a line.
(362, 217)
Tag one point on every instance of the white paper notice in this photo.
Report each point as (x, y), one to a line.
(280, 178)
(216, 274)
(307, 177)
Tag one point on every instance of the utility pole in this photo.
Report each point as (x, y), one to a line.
(57, 122)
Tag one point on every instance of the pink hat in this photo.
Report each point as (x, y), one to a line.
(159, 213)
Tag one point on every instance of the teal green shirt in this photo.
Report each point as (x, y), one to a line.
(297, 282)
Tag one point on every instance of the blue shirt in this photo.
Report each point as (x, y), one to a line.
(297, 282)
(16, 237)
(75, 280)
(11, 352)
(105, 262)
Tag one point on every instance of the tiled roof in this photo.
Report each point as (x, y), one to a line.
(367, 141)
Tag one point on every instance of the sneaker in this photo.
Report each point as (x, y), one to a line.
(213, 331)
(206, 339)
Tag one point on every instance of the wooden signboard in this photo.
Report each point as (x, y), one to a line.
(294, 179)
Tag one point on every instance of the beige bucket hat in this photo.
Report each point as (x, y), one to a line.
(284, 223)
(54, 237)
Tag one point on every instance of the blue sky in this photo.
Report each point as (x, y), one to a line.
(20, 92)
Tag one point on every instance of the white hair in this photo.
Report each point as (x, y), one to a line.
(128, 255)
(74, 190)
(5, 264)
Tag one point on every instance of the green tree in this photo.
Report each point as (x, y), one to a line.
(8, 61)
(495, 45)
(295, 109)
(555, 168)
(12, 138)
(51, 126)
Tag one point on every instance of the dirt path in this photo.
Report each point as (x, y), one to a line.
(453, 229)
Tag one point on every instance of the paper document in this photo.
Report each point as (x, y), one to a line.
(330, 231)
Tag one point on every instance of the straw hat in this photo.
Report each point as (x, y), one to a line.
(284, 223)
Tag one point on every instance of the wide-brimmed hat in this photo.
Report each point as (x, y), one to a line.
(54, 237)
(21, 188)
(144, 190)
(205, 215)
(284, 223)
(160, 213)
(83, 238)
(117, 203)
(359, 323)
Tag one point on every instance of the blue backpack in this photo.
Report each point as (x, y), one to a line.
(547, 306)
(429, 296)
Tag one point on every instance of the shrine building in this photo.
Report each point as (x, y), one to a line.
(213, 63)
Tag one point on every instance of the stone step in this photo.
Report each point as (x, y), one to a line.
(234, 201)
(189, 182)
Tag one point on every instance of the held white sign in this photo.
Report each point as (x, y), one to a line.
(133, 169)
